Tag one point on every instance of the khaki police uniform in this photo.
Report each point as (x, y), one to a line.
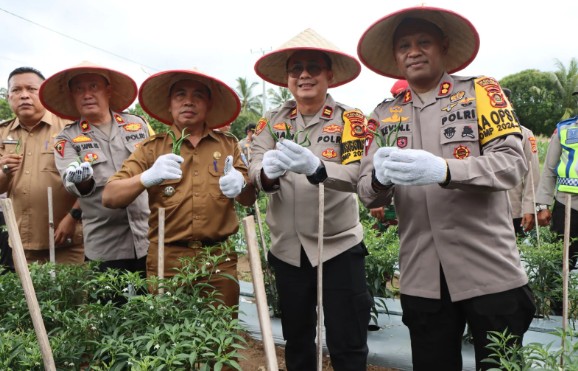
(109, 234)
(522, 195)
(197, 213)
(464, 227)
(28, 188)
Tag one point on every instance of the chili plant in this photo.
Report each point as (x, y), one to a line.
(18, 146)
(382, 141)
(178, 142)
(290, 136)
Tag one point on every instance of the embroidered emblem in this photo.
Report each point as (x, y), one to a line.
(457, 96)
(293, 113)
(260, 126)
(467, 101)
(85, 126)
(449, 107)
(282, 126)
(59, 147)
(371, 127)
(356, 120)
(468, 132)
(449, 132)
(461, 152)
(401, 142)
(118, 118)
(533, 144)
(407, 97)
(445, 88)
(395, 115)
(332, 128)
(329, 153)
(327, 112)
(81, 139)
(132, 127)
(90, 157)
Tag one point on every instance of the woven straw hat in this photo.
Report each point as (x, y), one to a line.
(375, 48)
(55, 94)
(154, 97)
(272, 66)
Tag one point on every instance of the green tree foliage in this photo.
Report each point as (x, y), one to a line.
(566, 83)
(5, 111)
(535, 99)
(157, 126)
(279, 96)
(250, 104)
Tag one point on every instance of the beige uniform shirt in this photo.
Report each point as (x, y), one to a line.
(522, 196)
(109, 234)
(28, 187)
(466, 227)
(292, 213)
(195, 207)
(547, 190)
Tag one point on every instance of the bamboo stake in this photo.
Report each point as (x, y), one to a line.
(260, 225)
(21, 267)
(535, 211)
(161, 251)
(51, 251)
(565, 269)
(320, 278)
(260, 295)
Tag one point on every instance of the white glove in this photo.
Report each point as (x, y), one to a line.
(379, 159)
(301, 159)
(78, 172)
(166, 167)
(415, 167)
(272, 165)
(232, 182)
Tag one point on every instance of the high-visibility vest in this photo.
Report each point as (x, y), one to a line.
(568, 165)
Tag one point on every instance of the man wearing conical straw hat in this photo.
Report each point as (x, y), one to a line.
(194, 172)
(450, 148)
(306, 141)
(93, 148)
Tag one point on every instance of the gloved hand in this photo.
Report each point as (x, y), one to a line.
(78, 172)
(166, 167)
(415, 167)
(379, 159)
(301, 159)
(232, 182)
(272, 165)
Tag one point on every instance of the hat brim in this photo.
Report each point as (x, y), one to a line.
(155, 100)
(272, 67)
(375, 48)
(55, 93)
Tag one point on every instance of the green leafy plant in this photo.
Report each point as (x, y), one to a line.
(178, 142)
(380, 138)
(290, 136)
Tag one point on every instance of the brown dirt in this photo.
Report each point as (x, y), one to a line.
(254, 356)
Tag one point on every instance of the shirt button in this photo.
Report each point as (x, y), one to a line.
(196, 172)
(27, 172)
(196, 195)
(29, 153)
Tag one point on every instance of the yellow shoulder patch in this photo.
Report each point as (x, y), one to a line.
(496, 116)
(353, 137)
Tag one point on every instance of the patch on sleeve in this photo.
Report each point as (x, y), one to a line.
(533, 144)
(261, 125)
(353, 137)
(59, 147)
(371, 128)
(496, 118)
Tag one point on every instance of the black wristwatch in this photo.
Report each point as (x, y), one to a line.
(318, 176)
(75, 213)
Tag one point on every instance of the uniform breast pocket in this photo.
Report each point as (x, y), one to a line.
(47, 162)
(215, 173)
(97, 160)
(460, 141)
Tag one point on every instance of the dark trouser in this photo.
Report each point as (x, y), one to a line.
(558, 215)
(6, 263)
(518, 227)
(436, 326)
(346, 308)
(131, 265)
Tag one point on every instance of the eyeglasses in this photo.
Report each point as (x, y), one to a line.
(296, 70)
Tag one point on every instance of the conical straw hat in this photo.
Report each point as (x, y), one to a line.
(272, 67)
(154, 97)
(55, 93)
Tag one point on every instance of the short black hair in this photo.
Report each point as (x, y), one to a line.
(508, 93)
(250, 127)
(22, 70)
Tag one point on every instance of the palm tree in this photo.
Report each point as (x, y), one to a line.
(279, 96)
(250, 104)
(566, 82)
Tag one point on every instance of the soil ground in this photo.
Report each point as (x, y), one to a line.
(255, 359)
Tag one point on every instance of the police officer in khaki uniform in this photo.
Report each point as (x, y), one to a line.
(92, 149)
(197, 183)
(28, 169)
(454, 151)
(306, 141)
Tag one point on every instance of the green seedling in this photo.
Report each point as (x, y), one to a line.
(18, 146)
(382, 141)
(178, 142)
(290, 136)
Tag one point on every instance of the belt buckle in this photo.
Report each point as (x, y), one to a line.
(195, 244)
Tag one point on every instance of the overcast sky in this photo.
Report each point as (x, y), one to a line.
(224, 38)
